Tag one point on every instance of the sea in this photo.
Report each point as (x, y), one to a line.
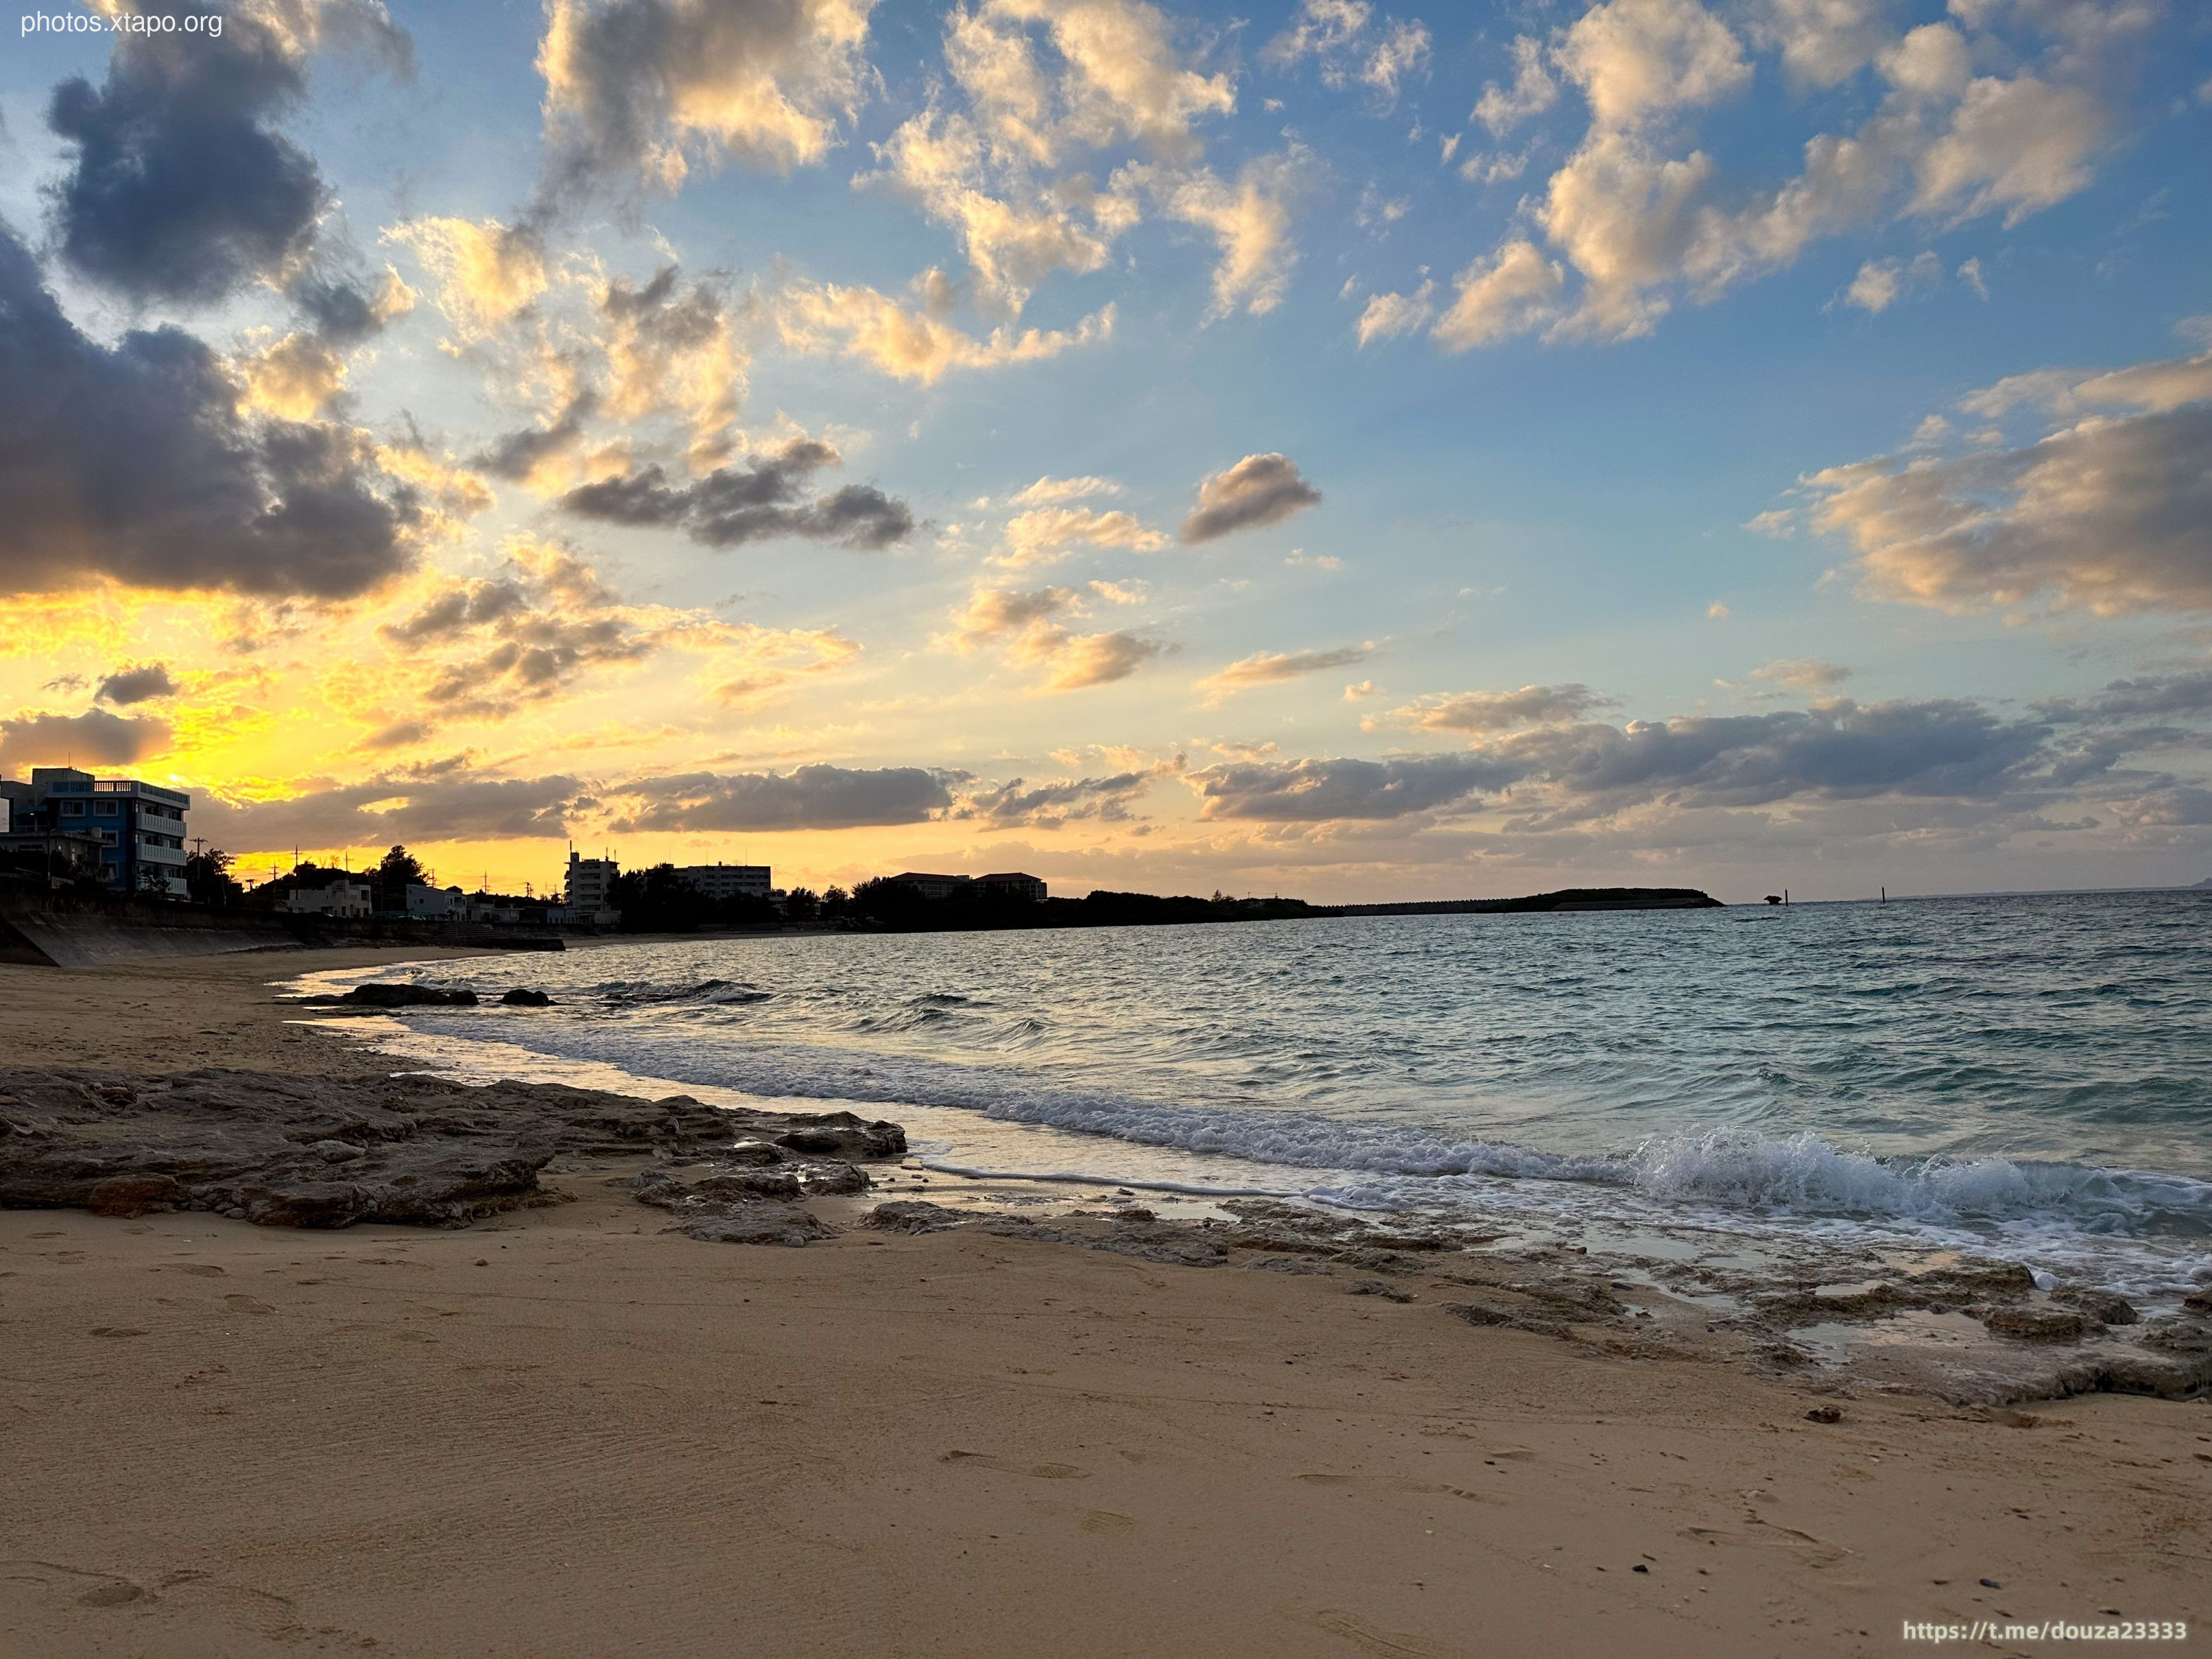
(2024, 1076)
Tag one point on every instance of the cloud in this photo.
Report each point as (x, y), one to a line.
(1045, 535)
(139, 684)
(1640, 216)
(1807, 674)
(1387, 316)
(2111, 513)
(1048, 492)
(673, 348)
(1048, 805)
(1250, 222)
(1025, 624)
(1336, 34)
(133, 462)
(1258, 491)
(178, 187)
(1557, 776)
(1881, 283)
(1510, 292)
(1267, 667)
(914, 343)
(646, 90)
(488, 274)
(730, 506)
(419, 805)
(303, 373)
(808, 798)
(1487, 711)
(1312, 790)
(95, 737)
(1534, 91)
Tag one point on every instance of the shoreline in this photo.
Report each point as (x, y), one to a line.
(564, 1426)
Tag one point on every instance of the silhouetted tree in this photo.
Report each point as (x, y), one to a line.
(208, 879)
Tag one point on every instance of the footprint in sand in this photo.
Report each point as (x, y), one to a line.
(1007, 1466)
(116, 1330)
(204, 1269)
(247, 1304)
(1107, 1523)
(1392, 1483)
(1382, 1644)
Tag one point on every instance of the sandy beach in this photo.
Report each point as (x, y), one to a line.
(567, 1431)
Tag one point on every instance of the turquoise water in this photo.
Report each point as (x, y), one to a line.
(2037, 1069)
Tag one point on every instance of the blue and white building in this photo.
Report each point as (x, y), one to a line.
(139, 827)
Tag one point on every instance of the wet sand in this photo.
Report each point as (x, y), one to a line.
(566, 1431)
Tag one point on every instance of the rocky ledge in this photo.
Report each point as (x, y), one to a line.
(327, 1151)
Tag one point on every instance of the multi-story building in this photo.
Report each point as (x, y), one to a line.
(1013, 884)
(139, 827)
(727, 881)
(589, 883)
(1010, 884)
(428, 903)
(931, 887)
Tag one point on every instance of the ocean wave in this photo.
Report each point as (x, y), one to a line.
(1736, 1169)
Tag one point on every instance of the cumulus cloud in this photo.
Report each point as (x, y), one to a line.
(1258, 491)
(1049, 804)
(915, 342)
(95, 737)
(1971, 120)
(421, 805)
(303, 373)
(488, 274)
(1045, 535)
(1353, 47)
(1533, 90)
(179, 187)
(1387, 316)
(672, 347)
(140, 685)
(1484, 712)
(2111, 512)
(1880, 283)
(1024, 625)
(1267, 667)
(807, 797)
(645, 89)
(1250, 222)
(1046, 82)
(763, 501)
(134, 462)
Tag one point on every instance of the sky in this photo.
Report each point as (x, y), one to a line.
(1309, 447)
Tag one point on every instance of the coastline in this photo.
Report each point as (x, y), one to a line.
(566, 1429)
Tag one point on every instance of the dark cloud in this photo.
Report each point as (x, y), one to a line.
(417, 805)
(635, 89)
(1942, 748)
(129, 685)
(810, 798)
(2155, 697)
(1259, 491)
(94, 739)
(730, 506)
(1047, 805)
(179, 188)
(547, 622)
(515, 455)
(134, 463)
(1312, 790)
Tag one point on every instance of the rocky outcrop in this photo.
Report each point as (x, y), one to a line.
(523, 997)
(379, 995)
(327, 1152)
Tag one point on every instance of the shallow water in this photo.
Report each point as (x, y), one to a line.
(2027, 1075)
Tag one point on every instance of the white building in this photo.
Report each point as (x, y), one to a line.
(343, 898)
(590, 883)
(427, 904)
(724, 881)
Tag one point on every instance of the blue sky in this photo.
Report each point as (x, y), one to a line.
(1598, 408)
